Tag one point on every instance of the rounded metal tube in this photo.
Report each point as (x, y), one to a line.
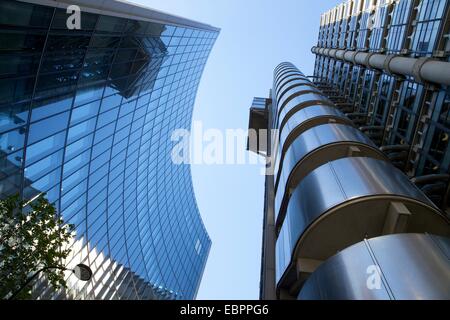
(340, 54)
(376, 61)
(402, 66)
(360, 58)
(349, 56)
(436, 71)
(421, 69)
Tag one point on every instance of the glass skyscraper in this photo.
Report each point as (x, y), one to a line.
(86, 117)
(361, 158)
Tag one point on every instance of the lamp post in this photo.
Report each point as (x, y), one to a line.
(81, 271)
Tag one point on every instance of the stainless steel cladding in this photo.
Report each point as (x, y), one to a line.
(315, 147)
(344, 202)
(394, 267)
(333, 189)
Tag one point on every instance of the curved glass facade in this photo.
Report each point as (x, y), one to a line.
(86, 118)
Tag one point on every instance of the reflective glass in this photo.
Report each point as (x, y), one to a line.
(91, 126)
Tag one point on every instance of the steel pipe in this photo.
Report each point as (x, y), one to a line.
(422, 69)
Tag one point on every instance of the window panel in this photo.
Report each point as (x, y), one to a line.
(45, 147)
(47, 127)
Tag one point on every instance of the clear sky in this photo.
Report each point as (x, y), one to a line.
(256, 35)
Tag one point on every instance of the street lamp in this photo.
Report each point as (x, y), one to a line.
(81, 271)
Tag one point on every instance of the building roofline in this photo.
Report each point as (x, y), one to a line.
(126, 9)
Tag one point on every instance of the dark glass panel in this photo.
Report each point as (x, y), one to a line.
(136, 26)
(93, 74)
(13, 115)
(53, 62)
(10, 173)
(16, 90)
(18, 65)
(60, 81)
(67, 42)
(25, 41)
(99, 57)
(125, 55)
(111, 24)
(24, 14)
(100, 41)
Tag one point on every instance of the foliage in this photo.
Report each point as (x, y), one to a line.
(32, 237)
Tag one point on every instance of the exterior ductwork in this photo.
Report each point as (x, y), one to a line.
(422, 69)
(333, 187)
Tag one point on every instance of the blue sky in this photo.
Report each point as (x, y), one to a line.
(256, 35)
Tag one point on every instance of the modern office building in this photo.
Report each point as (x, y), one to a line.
(86, 117)
(358, 204)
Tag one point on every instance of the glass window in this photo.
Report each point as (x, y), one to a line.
(14, 90)
(98, 162)
(89, 94)
(111, 24)
(104, 132)
(98, 180)
(81, 130)
(67, 42)
(17, 13)
(16, 65)
(84, 112)
(45, 147)
(12, 141)
(43, 166)
(110, 102)
(15, 40)
(179, 32)
(104, 41)
(63, 81)
(101, 147)
(47, 127)
(74, 194)
(45, 183)
(51, 106)
(74, 179)
(76, 163)
(107, 117)
(79, 146)
(75, 213)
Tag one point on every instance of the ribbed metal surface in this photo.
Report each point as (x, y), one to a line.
(333, 189)
(291, 83)
(346, 201)
(306, 119)
(318, 115)
(315, 147)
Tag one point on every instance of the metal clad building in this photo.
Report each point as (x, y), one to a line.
(360, 188)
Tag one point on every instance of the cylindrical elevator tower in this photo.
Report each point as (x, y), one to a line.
(337, 193)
